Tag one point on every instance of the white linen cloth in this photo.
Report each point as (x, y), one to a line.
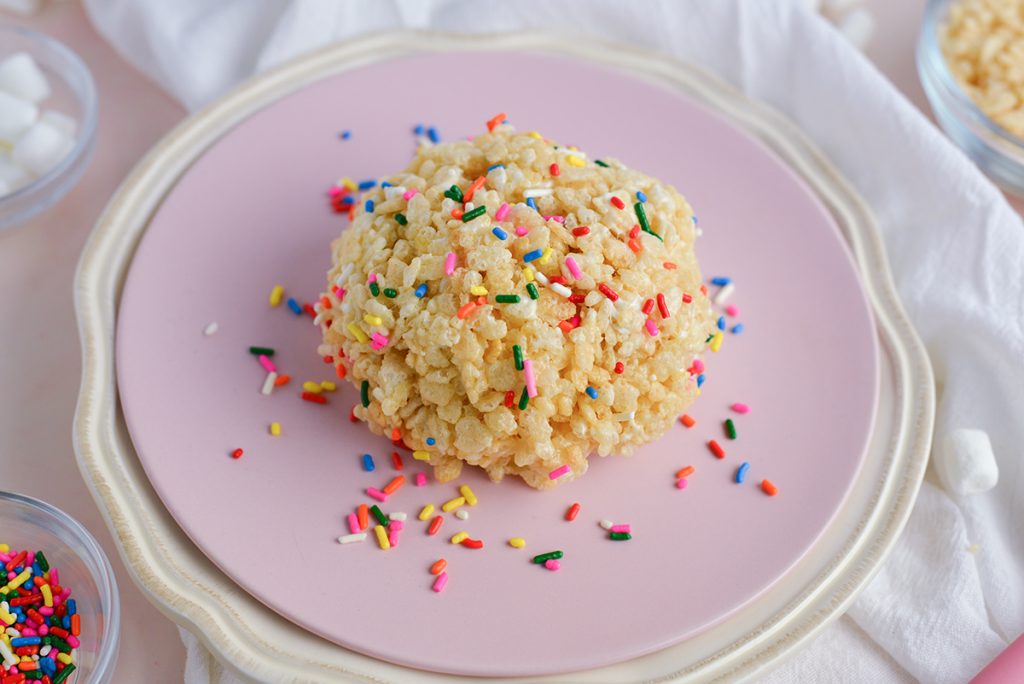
(951, 595)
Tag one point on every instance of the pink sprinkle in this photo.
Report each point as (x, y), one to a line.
(558, 472)
(421, 479)
(732, 310)
(698, 366)
(439, 583)
(652, 327)
(375, 493)
(392, 534)
(409, 194)
(372, 278)
(681, 483)
(552, 564)
(620, 528)
(502, 212)
(522, 230)
(396, 525)
(73, 641)
(449, 263)
(46, 610)
(531, 382)
(573, 267)
(267, 364)
(334, 191)
(556, 219)
(353, 523)
(740, 408)
(54, 577)
(379, 341)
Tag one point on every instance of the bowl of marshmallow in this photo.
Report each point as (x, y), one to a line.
(47, 122)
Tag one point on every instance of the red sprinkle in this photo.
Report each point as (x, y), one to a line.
(493, 123)
(313, 397)
(617, 203)
(635, 231)
(566, 326)
(328, 359)
(577, 298)
(472, 543)
(662, 306)
(716, 449)
(457, 213)
(635, 245)
(510, 398)
(669, 266)
(237, 453)
(648, 307)
(573, 511)
(308, 308)
(619, 368)
(396, 460)
(687, 420)
(581, 231)
(555, 170)
(558, 279)
(352, 415)
(435, 525)
(769, 488)
(687, 298)
(608, 292)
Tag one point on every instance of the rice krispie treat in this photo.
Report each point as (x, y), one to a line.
(507, 303)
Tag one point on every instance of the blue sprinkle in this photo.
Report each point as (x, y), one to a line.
(65, 622)
(385, 184)
(641, 196)
(368, 464)
(367, 184)
(694, 219)
(369, 206)
(499, 233)
(721, 281)
(72, 606)
(431, 441)
(535, 254)
(348, 201)
(419, 130)
(26, 641)
(721, 322)
(432, 135)
(421, 291)
(532, 203)
(700, 380)
(345, 135)
(741, 472)
(496, 166)
(592, 393)
(737, 329)
(294, 306)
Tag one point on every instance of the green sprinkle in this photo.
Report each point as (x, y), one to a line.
(63, 674)
(641, 216)
(710, 337)
(601, 163)
(517, 354)
(507, 298)
(44, 564)
(58, 643)
(364, 392)
(620, 536)
(34, 675)
(374, 288)
(261, 351)
(532, 289)
(730, 430)
(379, 515)
(474, 213)
(524, 400)
(454, 193)
(400, 218)
(545, 557)
(390, 292)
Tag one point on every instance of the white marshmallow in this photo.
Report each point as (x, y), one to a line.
(16, 115)
(858, 26)
(23, 7)
(12, 175)
(62, 122)
(41, 148)
(965, 462)
(21, 76)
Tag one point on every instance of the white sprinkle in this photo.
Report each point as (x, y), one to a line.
(462, 514)
(606, 524)
(723, 293)
(541, 278)
(624, 417)
(561, 289)
(469, 206)
(319, 319)
(537, 192)
(398, 516)
(211, 329)
(268, 384)
(352, 538)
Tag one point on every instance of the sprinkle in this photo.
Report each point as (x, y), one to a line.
(374, 288)
(433, 135)
(237, 453)
(499, 233)
(648, 307)
(581, 231)
(531, 381)
(421, 455)
(368, 207)
(449, 263)
(211, 328)
(687, 298)
(269, 383)
(379, 515)
(275, 296)
(517, 356)
(573, 268)
(601, 163)
(440, 582)
(624, 417)
(554, 169)
(532, 203)
(641, 216)
(462, 514)
(575, 161)
(468, 495)
(740, 408)
(379, 341)
(732, 310)
(608, 292)
(438, 567)
(382, 537)
(737, 329)
(542, 558)
(492, 167)
(524, 400)
(620, 536)
(592, 393)
(373, 320)
(769, 488)
(474, 213)
(723, 293)
(720, 323)
(364, 393)
(662, 306)
(472, 543)
(452, 504)
(267, 364)
(352, 538)
(493, 123)
(687, 420)
(573, 511)
(700, 380)
(721, 281)
(531, 256)
(401, 220)
(396, 460)
(459, 537)
(375, 493)
(623, 528)
(478, 290)
(741, 472)
(466, 309)
(328, 386)
(682, 483)
(531, 289)
(476, 185)
(431, 441)
(685, 472)
(517, 542)
(435, 525)
(546, 256)
(507, 299)
(652, 327)
(421, 291)
(314, 397)
(390, 292)
(502, 212)
(617, 203)
(605, 524)
(552, 565)
(716, 449)
(559, 472)
(275, 429)
(531, 193)
(357, 332)
(363, 515)
(454, 193)
(353, 523)
(420, 479)
(641, 196)
(716, 342)
(730, 429)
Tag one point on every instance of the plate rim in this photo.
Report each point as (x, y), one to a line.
(173, 572)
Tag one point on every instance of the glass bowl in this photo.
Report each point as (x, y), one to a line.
(74, 94)
(997, 152)
(27, 523)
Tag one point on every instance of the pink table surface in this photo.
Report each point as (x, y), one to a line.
(40, 367)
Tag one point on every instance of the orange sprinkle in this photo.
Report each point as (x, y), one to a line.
(396, 460)
(491, 125)
(325, 302)
(477, 184)
(76, 624)
(457, 213)
(635, 245)
(685, 472)
(466, 309)
(438, 567)
(687, 420)
(396, 434)
(669, 266)
(363, 514)
(282, 380)
(341, 371)
(392, 487)
(566, 326)
(704, 290)
(769, 488)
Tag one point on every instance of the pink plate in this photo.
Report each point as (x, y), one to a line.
(252, 212)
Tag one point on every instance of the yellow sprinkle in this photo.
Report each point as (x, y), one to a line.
(24, 575)
(382, 537)
(478, 290)
(357, 332)
(7, 618)
(468, 495)
(65, 658)
(373, 320)
(313, 387)
(275, 295)
(275, 429)
(528, 274)
(426, 512)
(47, 593)
(4, 548)
(716, 341)
(458, 537)
(545, 256)
(575, 161)
(348, 183)
(535, 135)
(517, 542)
(328, 386)
(449, 506)
(421, 455)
